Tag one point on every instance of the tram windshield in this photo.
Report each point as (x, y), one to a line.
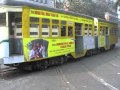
(2, 19)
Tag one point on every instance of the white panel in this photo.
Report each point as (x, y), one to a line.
(13, 59)
(45, 30)
(4, 46)
(55, 30)
(10, 9)
(89, 42)
(3, 10)
(34, 30)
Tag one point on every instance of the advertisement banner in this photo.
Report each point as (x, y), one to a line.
(36, 49)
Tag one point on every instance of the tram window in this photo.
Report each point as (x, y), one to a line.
(34, 25)
(86, 29)
(44, 33)
(45, 26)
(45, 30)
(34, 30)
(107, 32)
(55, 21)
(90, 29)
(78, 29)
(63, 31)
(45, 20)
(63, 22)
(2, 19)
(55, 26)
(101, 28)
(70, 31)
(33, 33)
(54, 30)
(32, 19)
(95, 28)
(86, 25)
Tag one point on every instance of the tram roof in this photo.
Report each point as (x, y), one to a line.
(20, 3)
(38, 6)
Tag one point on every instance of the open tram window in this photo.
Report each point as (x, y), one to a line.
(86, 29)
(34, 27)
(55, 22)
(44, 20)
(63, 28)
(70, 31)
(107, 31)
(34, 30)
(45, 27)
(55, 28)
(45, 30)
(90, 29)
(34, 20)
(2, 19)
(78, 29)
(70, 28)
(95, 30)
(101, 29)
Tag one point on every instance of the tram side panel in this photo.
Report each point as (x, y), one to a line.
(4, 36)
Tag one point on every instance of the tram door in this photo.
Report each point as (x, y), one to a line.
(78, 38)
(15, 33)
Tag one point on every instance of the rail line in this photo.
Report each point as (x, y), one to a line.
(4, 71)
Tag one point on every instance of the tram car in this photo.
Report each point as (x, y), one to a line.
(33, 36)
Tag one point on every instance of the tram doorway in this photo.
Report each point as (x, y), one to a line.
(78, 38)
(15, 33)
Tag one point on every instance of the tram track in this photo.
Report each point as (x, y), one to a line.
(64, 81)
(7, 70)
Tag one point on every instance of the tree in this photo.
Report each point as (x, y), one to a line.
(118, 2)
(95, 8)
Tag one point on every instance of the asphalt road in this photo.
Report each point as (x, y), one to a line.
(99, 72)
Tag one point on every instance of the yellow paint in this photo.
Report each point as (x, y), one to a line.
(25, 23)
(53, 15)
(101, 41)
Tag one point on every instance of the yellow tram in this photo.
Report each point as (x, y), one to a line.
(35, 36)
